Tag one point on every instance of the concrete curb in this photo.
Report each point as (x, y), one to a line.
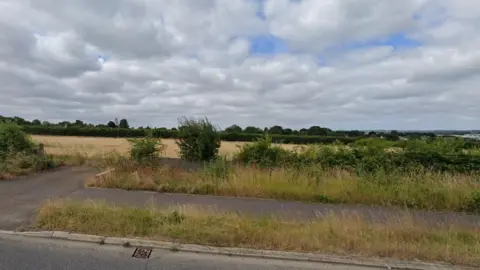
(239, 252)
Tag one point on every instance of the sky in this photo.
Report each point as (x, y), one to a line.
(342, 64)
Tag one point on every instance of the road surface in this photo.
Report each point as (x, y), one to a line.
(20, 199)
(27, 253)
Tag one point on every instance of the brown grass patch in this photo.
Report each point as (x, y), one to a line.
(339, 234)
(64, 145)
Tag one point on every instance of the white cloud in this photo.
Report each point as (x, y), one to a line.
(163, 59)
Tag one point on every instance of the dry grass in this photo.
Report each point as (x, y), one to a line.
(398, 238)
(419, 189)
(61, 145)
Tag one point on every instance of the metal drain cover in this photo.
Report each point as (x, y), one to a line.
(142, 253)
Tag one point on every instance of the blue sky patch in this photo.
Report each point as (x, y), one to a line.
(261, 9)
(397, 41)
(103, 58)
(267, 44)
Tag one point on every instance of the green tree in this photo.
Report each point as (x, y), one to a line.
(36, 122)
(64, 124)
(288, 131)
(253, 130)
(234, 129)
(316, 130)
(124, 123)
(276, 130)
(79, 123)
(111, 124)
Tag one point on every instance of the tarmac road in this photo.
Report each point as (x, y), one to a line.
(26, 253)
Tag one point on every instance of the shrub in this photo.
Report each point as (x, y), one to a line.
(473, 204)
(198, 140)
(147, 148)
(262, 153)
(20, 162)
(13, 139)
(18, 153)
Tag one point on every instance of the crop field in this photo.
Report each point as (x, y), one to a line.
(65, 145)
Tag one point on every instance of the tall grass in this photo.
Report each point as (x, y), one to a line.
(419, 188)
(397, 238)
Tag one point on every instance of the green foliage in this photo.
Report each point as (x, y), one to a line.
(95, 132)
(111, 124)
(145, 149)
(18, 154)
(473, 204)
(173, 133)
(373, 143)
(262, 153)
(367, 155)
(20, 163)
(123, 124)
(287, 139)
(198, 140)
(234, 129)
(219, 169)
(13, 139)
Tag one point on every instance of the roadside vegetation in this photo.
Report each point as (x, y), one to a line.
(423, 174)
(19, 155)
(397, 238)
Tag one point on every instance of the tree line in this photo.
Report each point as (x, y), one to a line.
(122, 128)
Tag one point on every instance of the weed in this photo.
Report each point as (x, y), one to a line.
(396, 237)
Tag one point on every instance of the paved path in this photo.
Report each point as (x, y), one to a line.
(20, 198)
(26, 253)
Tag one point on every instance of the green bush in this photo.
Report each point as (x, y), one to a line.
(287, 139)
(473, 204)
(18, 153)
(262, 153)
(13, 139)
(145, 149)
(366, 156)
(198, 140)
(20, 163)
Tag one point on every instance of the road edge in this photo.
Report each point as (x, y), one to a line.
(237, 252)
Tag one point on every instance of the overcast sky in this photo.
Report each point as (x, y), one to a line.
(343, 64)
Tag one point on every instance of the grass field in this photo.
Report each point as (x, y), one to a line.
(419, 189)
(399, 238)
(95, 145)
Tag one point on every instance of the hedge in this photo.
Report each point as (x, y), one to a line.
(168, 133)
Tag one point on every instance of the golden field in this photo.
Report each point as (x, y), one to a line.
(59, 145)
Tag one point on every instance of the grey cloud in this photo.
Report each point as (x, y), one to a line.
(173, 58)
(316, 25)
